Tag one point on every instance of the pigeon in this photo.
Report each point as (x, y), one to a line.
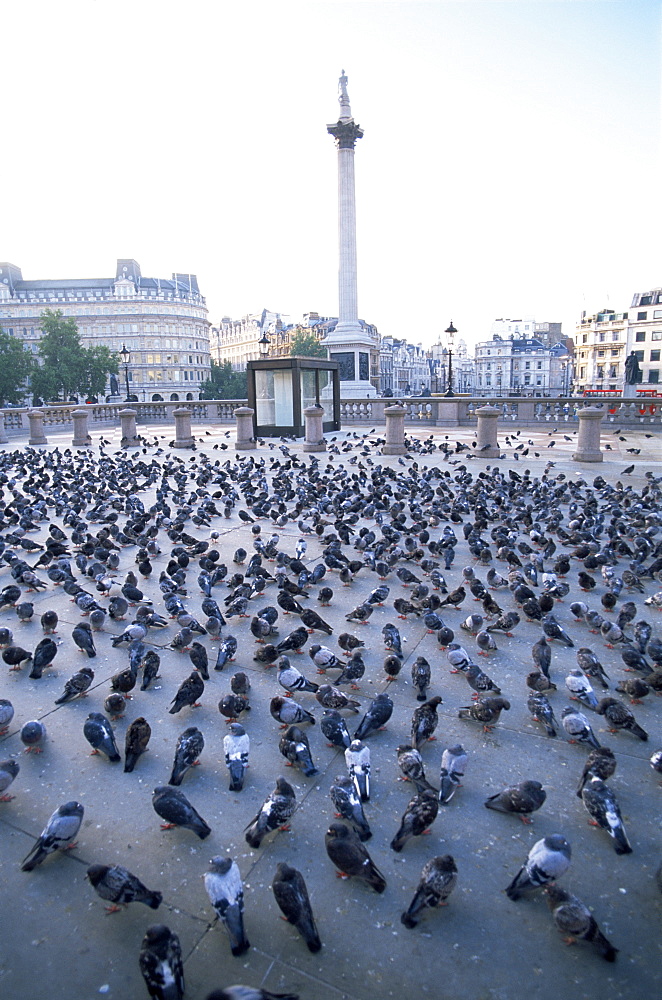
(635, 688)
(480, 681)
(273, 814)
(82, 636)
(226, 894)
(547, 860)
(267, 654)
(353, 671)
(578, 727)
(579, 689)
(6, 715)
(323, 657)
(8, 771)
(334, 728)
(600, 803)
(189, 693)
(133, 633)
(291, 895)
(16, 657)
(361, 614)
(486, 710)
(239, 992)
(294, 641)
(505, 623)
(115, 705)
(521, 799)
(288, 712)
(411, 765)
(98, 732)
(226, 650)
(540, 708)
(437, 881)
(575, 922)
(7, 637)
(348, 806)
(43, 656)
(236, 747)
(453, 764)
(240, 683)
(58, 834)
(314, 622)
(419, 815)
(590, 664)
(330, 696)
(600, 763)
(294, 746)
(541, 652)
(151, 664)
(292, 679)
(553, 630)
(172, 806)
(392, 639)
(199, 659)
(619, 716)
(137, 737)
(348, 643)
(32, 735)
(357, 759)
(161, 963)
(190, 745)
(378, 714)
(421, 675)
(232, 705)
(350, 857)
(120, 887)
(424, 722)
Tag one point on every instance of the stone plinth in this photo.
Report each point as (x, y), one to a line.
(3, 433)
(245, 439)
(129, 429)
(588, 438)
(37, 436)
(486, 445)
(314, 441)
(183, 436)
(82, 438)
(448, 412)
(395, 430)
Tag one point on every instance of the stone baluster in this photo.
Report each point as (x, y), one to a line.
(82, 438)
(37, 436)
(183, 436)
(314, 441)
(3, 430)
(395, 430)
(129, 429)
(588, 438)
(487, 446)
(244, 417)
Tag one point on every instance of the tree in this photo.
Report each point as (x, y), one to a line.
(307, 344)
(225, 383)
(69, 368)
(16, 366)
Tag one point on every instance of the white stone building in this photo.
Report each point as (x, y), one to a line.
(521, 365)
(644, 335)
(161, 321)
(600, 343)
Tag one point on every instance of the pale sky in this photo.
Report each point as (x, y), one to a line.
(510, 165)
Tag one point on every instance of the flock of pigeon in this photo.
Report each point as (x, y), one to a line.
(99, 526)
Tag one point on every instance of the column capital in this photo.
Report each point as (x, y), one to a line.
(345, 133)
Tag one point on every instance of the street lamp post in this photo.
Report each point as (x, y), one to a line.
(450, 331)
(263, 344)
(125, 354)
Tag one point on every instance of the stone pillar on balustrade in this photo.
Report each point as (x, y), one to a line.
(3, 431)
(487, 445)
(395, 430)
(314, 439)
(129, 429)
(588, 438)
(37, 436)
(448, 411)
(183, 434)
(245, 437)
(82, 437)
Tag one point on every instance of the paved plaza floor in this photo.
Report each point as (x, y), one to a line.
(57, 940)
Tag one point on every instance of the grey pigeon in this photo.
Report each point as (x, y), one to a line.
(547, 860)
(334, 728)
(190, 745)
(351, 858)
(419, 815)
(521, 799)
(575, 922)
(578, 727)
(378, 714)
(348, 806)
(357, 759)
(120, 887)
(274, 813)
(226, 894)
(98, 732)
(291, 895)
(288, 712)
(8, 770)
(58, 834)
(161, 963)
(601, 804)
(33, 734)
(437, 881)
(172, 806)
(295, 747)
(236, 747)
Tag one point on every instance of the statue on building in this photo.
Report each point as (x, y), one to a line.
(632, 369)
(114, 386)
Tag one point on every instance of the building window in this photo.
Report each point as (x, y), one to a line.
(641, 315)
(640, 336)
(601, 354)
(615, 335)
(657, 314)
(601, 371)
(527, 364)
(614, 352)
(655, 335)
(527, 380)
(645, 300)
(654, 375)
(639, 355)
(538, 365)
(601, 336)
(584, 338)
(655, 355)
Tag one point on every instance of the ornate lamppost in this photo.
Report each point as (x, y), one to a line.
(125, 354)
(450, 331)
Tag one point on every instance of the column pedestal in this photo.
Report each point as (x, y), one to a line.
(314, 434)
(395, 430)
(487, 446)
(3, 433)
(37, 435)
(588, 438)
(129, 430)
(245, 439)
(183, 436)
(82, 438)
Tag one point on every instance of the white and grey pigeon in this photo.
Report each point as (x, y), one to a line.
(226, 894)
(580, 689)
(357, 759)
(236, 747)
(547, 860)
(578, 727)
(8, 770)
(133, 633)
(292, 679)
(453, 764)
(58, 834)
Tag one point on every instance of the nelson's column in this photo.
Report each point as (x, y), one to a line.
(349, 343)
